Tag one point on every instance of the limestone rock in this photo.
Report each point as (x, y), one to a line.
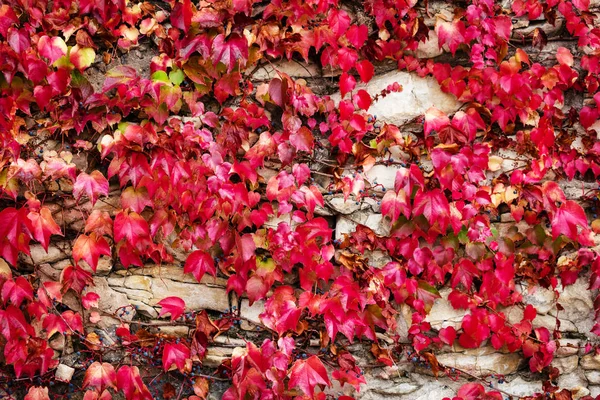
(417, 96)
(251, 314)
(197, 296)
(138, 282)
(348, 224)
(593, 377)
(575, 382)
(495, 363)
(567, 347)
(519, 387)
(442, 314)
(566, 365)
(295, 69)
(416, 387)
(56, 252)
(578, 305)
(177, 330)
(64, 373)
(542, 299)
(590, 361)
(110, 300)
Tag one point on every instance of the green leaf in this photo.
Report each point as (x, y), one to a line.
(160, 76)
(176, 76)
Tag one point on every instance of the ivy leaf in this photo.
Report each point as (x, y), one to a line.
(43, 226)
(175, 353)
(17, 291)
(92, 185)
(567, 218)
(100, 376)
(82, 57)
(89, 248)
(173, 305)
(131, 226)
(229, 51)
(434, 206)
(52, 48)
(393, 204)
(347, 83)
(450, 33)
(307, 374)
(135, 198)
(37, 393)
(302, 139)
(7, 19)
(365, 70)
(130, 382)
(198, 263)
(448, 335)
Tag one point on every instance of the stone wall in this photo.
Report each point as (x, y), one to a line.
(137, 290)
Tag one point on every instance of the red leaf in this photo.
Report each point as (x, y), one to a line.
(135, 198)
(37, 393)
(434, 206)
(100, 376)
(130, 226)
(281, 312)
(7, 19)
(347, 83)
(199, 263)
(17, 291)
(365, 70)
(448, 335)
(357, 35)
(173, 305)
(362, 99)
(450, 33)
(175, 353)
(92, 185)
(564, 56)
(393, 204)
(435, 120)
(230, 51)
(567, 218)
(43, 226)
(302, 139)
(89, 300)
(89, 248)
(52, 48)
(130, 382)
(307, 374)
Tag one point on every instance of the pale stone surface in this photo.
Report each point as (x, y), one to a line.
(442, 314)
(593, 377)
(56, 252)
(176, 330)
(382, 175)
(416, 387)
(566, 364)
(110, 300)
(495, 363)
(590, 361)
(295, 69)
(578, 306)
(575, 382)
(347, 224)
(542, 299)
(567, 347)
(419, 93)
(518, 387)
(64, 373)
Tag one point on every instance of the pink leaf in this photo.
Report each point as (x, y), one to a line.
(173, 305)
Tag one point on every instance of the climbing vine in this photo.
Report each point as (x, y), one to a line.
(187, 144)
